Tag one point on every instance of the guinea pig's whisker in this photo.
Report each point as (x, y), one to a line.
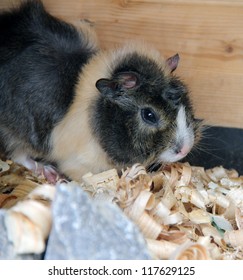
(199, 148)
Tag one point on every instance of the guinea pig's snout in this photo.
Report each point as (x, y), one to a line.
(182, 150)
(177, 152)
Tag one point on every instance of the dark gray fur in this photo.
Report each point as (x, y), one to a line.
(40, 60)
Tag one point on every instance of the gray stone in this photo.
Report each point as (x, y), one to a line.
(87, 229)
(6, 248)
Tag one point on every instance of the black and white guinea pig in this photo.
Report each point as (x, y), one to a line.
(64, 101)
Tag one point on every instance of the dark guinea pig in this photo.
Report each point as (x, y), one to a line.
(66, 102)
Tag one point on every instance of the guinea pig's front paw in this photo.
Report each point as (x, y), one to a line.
(51, 174)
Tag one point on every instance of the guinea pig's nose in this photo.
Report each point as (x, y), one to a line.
(182, 150)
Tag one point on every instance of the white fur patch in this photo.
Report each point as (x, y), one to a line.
(184, 133)
(184, 139)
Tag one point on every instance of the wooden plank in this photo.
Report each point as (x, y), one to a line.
(207, 35)
(195, 2)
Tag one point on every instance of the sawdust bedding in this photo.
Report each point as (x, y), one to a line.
(183, 211)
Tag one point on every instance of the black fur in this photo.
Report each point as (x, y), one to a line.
(40, 60)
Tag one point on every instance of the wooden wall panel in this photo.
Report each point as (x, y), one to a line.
(207, 34)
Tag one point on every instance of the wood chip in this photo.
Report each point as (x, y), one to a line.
(28, 222)
(183, 211)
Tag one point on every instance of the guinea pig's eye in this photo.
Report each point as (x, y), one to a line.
(149, 116)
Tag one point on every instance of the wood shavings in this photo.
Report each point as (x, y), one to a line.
(28, 222)
(106, 179)
(6, 200)
(183, 211)
(187, 194)
(16, 182)
(190, 251)
(27, 201)
(199, 216)
(102, 186)
(239, 216)
(187, 200)
(234, 238)
(161, 249)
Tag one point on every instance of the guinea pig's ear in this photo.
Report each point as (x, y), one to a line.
(172, 62)
(118, 85)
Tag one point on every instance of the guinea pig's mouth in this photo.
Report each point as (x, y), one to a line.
(173, 155)
(170, 155)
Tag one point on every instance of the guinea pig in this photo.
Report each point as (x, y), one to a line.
(68, 103)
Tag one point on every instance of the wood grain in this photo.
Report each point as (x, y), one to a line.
(208, 35)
